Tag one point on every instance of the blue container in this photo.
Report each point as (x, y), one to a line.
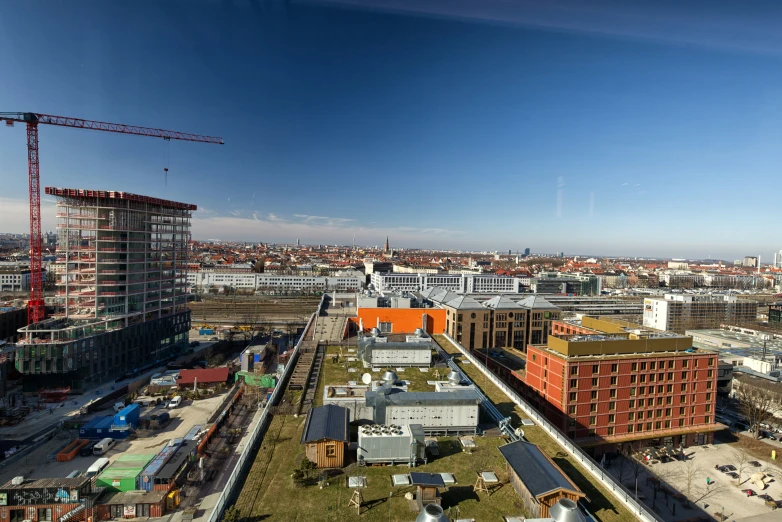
(128, 417)
(102, 427)
(206, 331)
(87, 431)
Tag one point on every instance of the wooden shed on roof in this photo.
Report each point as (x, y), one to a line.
(537, 479)
(326, 436)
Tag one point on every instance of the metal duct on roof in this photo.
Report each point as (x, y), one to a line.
(374, 332)
(565, 510)
(390, 377)
(454, 377)
(432, 513)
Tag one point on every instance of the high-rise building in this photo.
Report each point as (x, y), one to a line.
(678, 312)
(526, 251)
(750, 261)
(122, 294)
(778, 259)
(612, 386)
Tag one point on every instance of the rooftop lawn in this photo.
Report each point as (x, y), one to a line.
(270, 494)
(602, 503)
(338, 374)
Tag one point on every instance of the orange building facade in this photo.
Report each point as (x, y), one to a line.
(400, 320)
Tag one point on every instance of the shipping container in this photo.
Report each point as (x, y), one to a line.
(128, 417)
(146, 479)
(123, 473)
(206, 331)
(71, 450)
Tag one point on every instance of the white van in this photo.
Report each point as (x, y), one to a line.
(96, 468)
(175, 402)
(103, 446)
(74, 474)
(119, 406)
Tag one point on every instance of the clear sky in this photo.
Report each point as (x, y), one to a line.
(633, 128)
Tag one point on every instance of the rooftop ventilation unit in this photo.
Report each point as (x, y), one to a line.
(432, 513)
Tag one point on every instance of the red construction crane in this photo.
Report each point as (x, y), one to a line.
(35, 308)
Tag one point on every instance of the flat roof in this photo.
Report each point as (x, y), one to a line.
(68, 483)
(176, 461)
(136, 497)
(113, 194)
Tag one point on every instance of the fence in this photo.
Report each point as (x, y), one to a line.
(621, 493)
(488, 406)
(258, 431)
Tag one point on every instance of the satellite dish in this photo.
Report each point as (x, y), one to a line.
(366, 378)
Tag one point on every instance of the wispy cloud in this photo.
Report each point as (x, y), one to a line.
(323, 220)
(313, 229)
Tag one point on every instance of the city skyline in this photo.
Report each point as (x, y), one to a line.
(439, 129)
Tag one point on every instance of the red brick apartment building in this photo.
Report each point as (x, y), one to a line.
(614, 386)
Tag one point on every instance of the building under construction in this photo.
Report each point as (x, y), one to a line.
(122, 294)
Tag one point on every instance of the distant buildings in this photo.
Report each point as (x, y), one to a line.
(750, 261)
(778, 259)
(15, 277)
(243, 279)
(562, 283)
(775, 314)
(680, 312)
(526, 252)
(496, 323)
(458, 283)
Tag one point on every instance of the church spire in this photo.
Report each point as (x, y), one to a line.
(387, 248)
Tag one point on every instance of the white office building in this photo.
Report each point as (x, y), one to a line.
(678, 312)
(205, 280)
(457, 283)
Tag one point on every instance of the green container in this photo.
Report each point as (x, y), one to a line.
(120, 479)
(122, 474)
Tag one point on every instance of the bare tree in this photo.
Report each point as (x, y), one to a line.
(758, 400)
(741, 457)
(623, 468)
(691, 480)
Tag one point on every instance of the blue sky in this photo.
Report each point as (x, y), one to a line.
(618, 128)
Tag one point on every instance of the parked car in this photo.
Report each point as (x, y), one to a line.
(754, 463)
